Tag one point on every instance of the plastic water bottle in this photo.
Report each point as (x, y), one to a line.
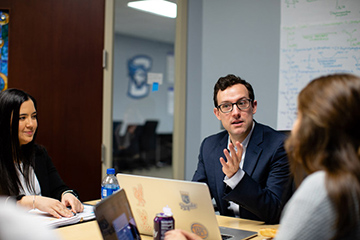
(110, 184)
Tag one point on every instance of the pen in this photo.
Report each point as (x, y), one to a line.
(74, 214)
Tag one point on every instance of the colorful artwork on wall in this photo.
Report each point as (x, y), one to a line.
(4, 48)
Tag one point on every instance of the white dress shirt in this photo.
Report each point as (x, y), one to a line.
(234, 180)
(33, 181)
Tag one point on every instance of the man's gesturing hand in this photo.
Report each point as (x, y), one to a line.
(232, 165)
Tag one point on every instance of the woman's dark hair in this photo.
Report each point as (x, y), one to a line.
(228, 81)
(11, 153)
(327, 138)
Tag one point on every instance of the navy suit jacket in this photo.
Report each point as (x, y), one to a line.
(49, 179)
(264, 189)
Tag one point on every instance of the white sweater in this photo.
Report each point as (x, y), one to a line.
(309, 213)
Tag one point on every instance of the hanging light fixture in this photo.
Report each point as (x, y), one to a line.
(159, 7)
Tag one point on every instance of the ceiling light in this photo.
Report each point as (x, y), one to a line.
(159, 7)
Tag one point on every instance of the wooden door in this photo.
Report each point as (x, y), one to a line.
(55, 54)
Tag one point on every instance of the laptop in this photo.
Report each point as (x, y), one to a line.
(190, 203)
(115, 219)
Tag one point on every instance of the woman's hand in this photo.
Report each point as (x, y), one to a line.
(68, 199)
(179, 234)
(46, 204)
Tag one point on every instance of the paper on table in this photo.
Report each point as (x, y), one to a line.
(87, 214)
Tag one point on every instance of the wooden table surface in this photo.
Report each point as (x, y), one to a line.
(90, 230)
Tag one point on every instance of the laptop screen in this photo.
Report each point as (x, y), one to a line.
(115, 218)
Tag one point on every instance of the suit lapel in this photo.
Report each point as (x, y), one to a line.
(253, 150)
(218, 173)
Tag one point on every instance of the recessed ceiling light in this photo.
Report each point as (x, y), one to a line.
(159, 7)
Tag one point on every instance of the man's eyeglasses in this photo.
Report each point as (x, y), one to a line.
(242, 104)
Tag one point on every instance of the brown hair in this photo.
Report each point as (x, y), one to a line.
(328, 138)
(229, 81)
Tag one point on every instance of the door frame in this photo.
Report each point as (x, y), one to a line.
(108, 63)
(179, 132)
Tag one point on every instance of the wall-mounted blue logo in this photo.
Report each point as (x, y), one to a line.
(138, 68)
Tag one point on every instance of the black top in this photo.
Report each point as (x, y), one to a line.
(49, 179)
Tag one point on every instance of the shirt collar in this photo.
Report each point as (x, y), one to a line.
(246, 140)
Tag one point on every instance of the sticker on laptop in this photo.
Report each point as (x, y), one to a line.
(199, 230)
(144, 220)
(139, 195)
(186, 204)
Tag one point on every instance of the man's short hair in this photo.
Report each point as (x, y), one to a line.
(228, 81)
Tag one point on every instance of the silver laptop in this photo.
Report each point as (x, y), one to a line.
(115, 219)
(190, 203)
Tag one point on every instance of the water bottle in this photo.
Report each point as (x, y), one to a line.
(110, 184)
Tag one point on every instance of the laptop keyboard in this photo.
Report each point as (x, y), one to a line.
(224, 237)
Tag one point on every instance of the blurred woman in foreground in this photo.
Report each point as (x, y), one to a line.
(325, 145)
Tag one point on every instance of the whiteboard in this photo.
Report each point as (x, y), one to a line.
(317, 37)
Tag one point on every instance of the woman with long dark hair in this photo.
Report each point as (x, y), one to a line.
(26, 171)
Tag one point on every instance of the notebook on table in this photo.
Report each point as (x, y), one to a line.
(51, 221)
(190, 203)
(115, 219)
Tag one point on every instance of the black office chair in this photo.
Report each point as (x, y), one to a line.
(127, 156)
(148, 144)
(116, 134)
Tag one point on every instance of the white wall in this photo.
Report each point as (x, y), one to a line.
(241, 37)
(155, 105)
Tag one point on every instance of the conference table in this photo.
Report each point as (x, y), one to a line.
(91, 231)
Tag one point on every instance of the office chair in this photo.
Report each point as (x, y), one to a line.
(148, 144)
(116, 134)
(127, 156)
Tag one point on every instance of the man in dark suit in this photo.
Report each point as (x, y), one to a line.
(246, 166)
